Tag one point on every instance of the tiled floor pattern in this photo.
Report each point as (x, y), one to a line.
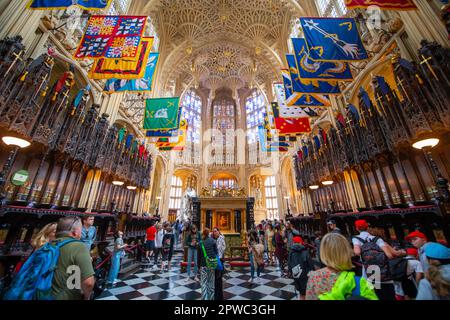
(146, 284)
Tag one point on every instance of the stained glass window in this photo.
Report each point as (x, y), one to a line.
(224, 183)
(255, 109)
(223, 125)
(192, 108)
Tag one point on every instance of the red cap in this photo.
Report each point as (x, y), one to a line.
(412, 252)
(361, 224)
(297, 239)
(416, 234)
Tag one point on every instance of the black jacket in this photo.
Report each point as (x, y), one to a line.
(189, 239)
(210, 248)
(171, 237)
(299, 255)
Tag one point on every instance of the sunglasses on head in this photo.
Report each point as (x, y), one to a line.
(75, 220)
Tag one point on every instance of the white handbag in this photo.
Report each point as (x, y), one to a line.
(297, 271)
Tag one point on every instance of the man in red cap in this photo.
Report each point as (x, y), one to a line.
(419, 241)
(300, 264)
(374, 252)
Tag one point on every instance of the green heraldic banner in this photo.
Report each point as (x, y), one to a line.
(162, 114)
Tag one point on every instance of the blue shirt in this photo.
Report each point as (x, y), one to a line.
(88, 236)
(423, 258)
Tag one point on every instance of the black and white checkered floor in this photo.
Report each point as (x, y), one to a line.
(157, 285)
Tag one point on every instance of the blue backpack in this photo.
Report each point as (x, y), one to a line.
(34, 280)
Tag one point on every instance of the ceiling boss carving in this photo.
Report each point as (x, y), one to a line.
(214, 43)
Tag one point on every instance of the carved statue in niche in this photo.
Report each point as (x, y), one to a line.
(22, 105)
(185, 213)
(255, 190)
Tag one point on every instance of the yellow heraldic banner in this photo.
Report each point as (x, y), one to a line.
(127, 68)
(175, 142)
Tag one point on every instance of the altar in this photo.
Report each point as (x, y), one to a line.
(226, 213)
(231, 212)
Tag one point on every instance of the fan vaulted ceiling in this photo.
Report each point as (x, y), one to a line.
(215, 43)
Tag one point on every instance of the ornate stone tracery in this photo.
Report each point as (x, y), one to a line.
(220, 38)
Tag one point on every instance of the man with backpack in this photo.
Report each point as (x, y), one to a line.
(72, 254)
(299, 265)
(407, 272)
(375, 255)
(60, 270)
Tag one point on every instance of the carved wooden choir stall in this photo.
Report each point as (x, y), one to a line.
(70, 141)
(370, 160)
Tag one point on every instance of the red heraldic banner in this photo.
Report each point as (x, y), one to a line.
(292, 125)
(383, 4)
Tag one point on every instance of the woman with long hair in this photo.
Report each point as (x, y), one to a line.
(336, 281)
(118, 253)
(46, 234)
(209, 252)
(221, 246)
(255, 254)
(280, 250)
(270, 241)
(192, 242)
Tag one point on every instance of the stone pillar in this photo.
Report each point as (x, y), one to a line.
(424, 24)
(282, 208)
(165, 192)
(90, 189)
(351, 193)
(112, 105)
(16, 19)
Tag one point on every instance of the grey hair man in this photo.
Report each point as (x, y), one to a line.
(74, 275)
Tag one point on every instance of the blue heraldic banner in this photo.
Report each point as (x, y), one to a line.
(319, 70)
(62, 4)
(272, 147)
(309, 86)
(331, 39)
(301, 99)
(135, 85)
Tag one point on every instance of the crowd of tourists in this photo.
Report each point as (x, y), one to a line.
(323, 267)
(361, 267)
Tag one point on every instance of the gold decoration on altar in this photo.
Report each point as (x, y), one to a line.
(223, 192)
(206, 192)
